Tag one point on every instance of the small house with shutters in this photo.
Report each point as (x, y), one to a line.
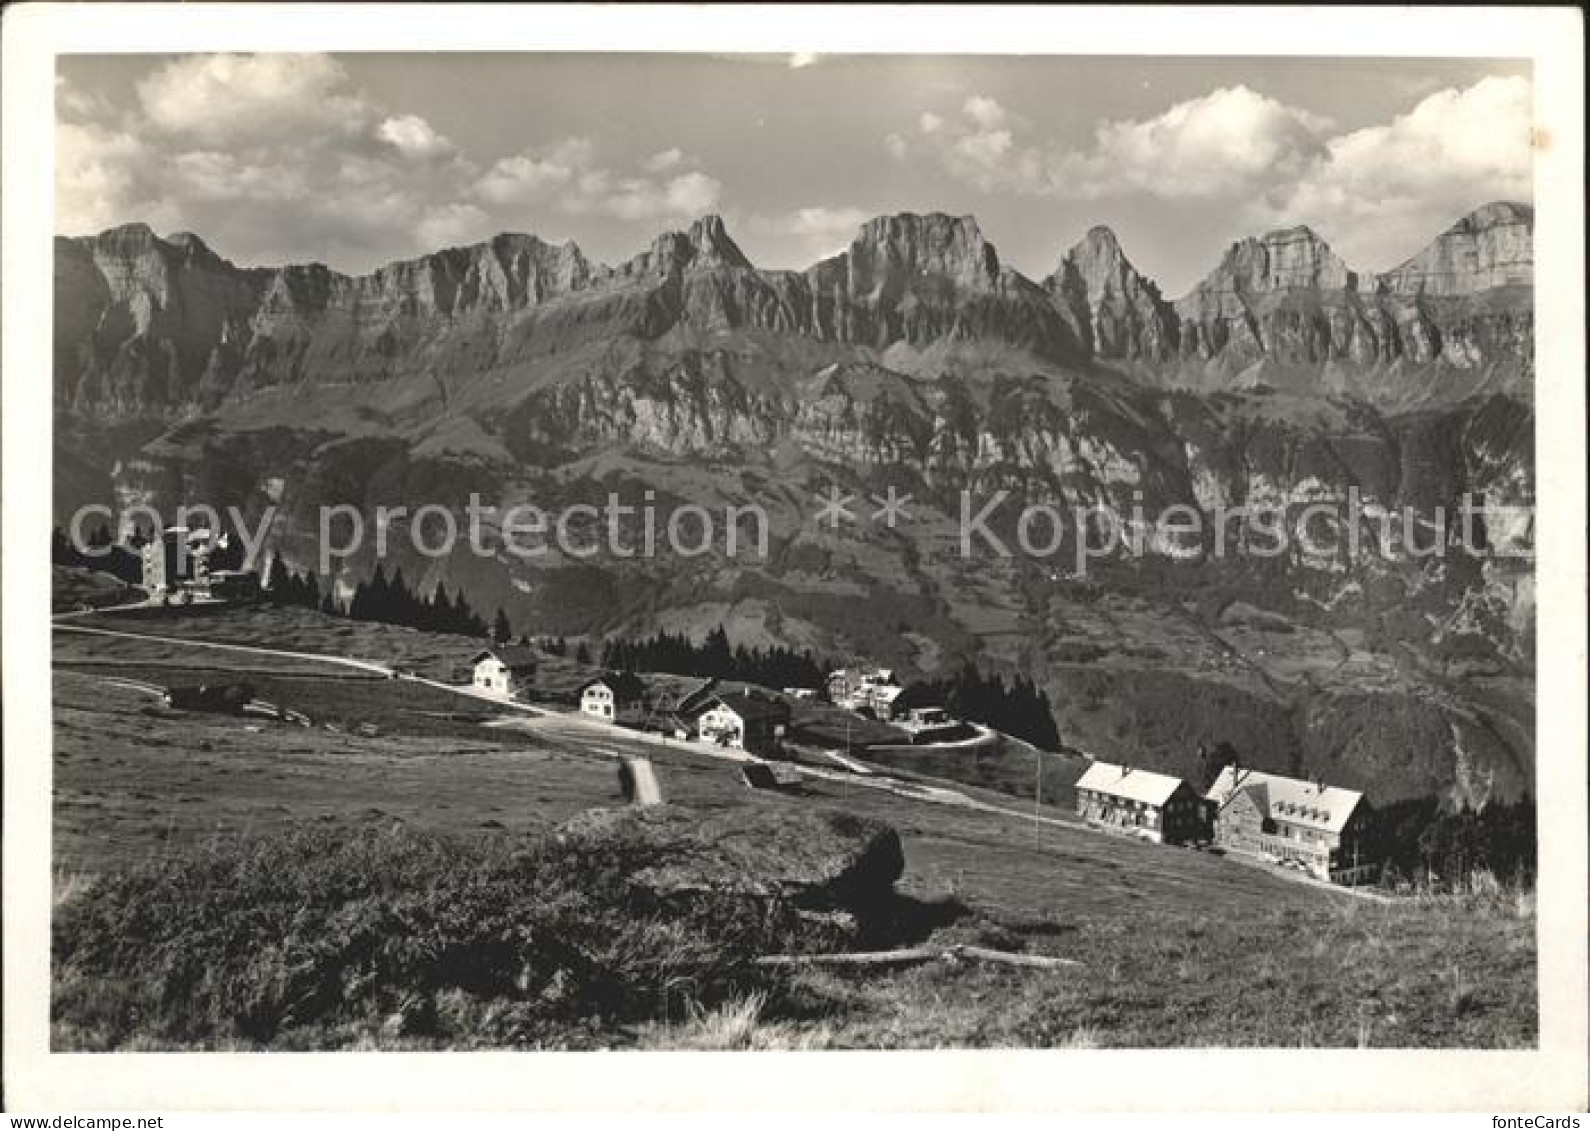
(744, 722)
(508, 671)
(1157, 807)
(1320, 827)
(606, 696)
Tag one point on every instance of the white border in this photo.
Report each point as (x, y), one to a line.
(1551, 1078)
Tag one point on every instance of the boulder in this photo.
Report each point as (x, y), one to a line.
(830, 866)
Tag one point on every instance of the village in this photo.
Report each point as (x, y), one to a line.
(1312, 828)
(1307, 828)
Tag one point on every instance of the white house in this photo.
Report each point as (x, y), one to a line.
(606, 696)
(744, 722)
(1157, 807)
(508, 671)
(872, 688)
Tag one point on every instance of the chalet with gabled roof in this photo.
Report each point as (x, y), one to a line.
(607, 695)
(508, 670)
(753, 723)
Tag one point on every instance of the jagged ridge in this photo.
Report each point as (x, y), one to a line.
(151, 326)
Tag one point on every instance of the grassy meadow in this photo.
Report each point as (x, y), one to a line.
(232, 882)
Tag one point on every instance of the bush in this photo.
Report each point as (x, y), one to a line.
(323, 939)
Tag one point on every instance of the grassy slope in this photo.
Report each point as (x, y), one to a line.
(1179, 947)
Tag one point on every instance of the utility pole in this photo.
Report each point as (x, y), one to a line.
(1037, 781)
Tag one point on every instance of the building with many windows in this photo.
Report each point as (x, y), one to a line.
(1316, 826)
(1157, 807)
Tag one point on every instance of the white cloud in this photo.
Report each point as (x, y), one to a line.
(532, 176)
(571, 177)
(662, 162)
(1203, 147)
(985, 112)
(227, 99)
(1270, 162)
(73, 104)
(692, 194)
(271, 157)
(981, 147)
(640, 198)
(96, 177)
(1224, 142)
(413, 136)
(827, 222)
(283, 158)
(453, 225)
(817, 230)
(1377, 187)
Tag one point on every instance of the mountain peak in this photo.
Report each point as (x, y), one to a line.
(1297, 233)
(1117, 312)
(1498, 213)
(1097, 256)
(1493, 246)
(705, 245)
(926, 243)
(192, 246)
(136, 233)
(1101, 236)
(1294, 258)
(712, 247)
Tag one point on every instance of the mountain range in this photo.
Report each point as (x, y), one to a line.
(146, 325)
(915, 358)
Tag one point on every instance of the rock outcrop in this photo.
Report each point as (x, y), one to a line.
(835, 869)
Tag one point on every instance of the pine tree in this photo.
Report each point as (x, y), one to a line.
(276, 579)
(501, 630)
(716, 658)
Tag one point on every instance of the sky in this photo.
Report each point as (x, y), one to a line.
(355, 160)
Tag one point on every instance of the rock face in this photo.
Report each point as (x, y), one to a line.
(520, 370)
(1491, 247)
(829, 864)
(164, 328)
(1118, 313)
(1285, 310)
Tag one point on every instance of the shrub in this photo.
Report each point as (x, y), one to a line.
(322, 939)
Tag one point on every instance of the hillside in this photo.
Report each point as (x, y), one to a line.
(309, 843)
(915, 360)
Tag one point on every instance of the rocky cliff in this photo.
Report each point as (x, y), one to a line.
(915, 358)
(1118, 314)
(1285, 310)
(1491, 247)
(164, 328)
